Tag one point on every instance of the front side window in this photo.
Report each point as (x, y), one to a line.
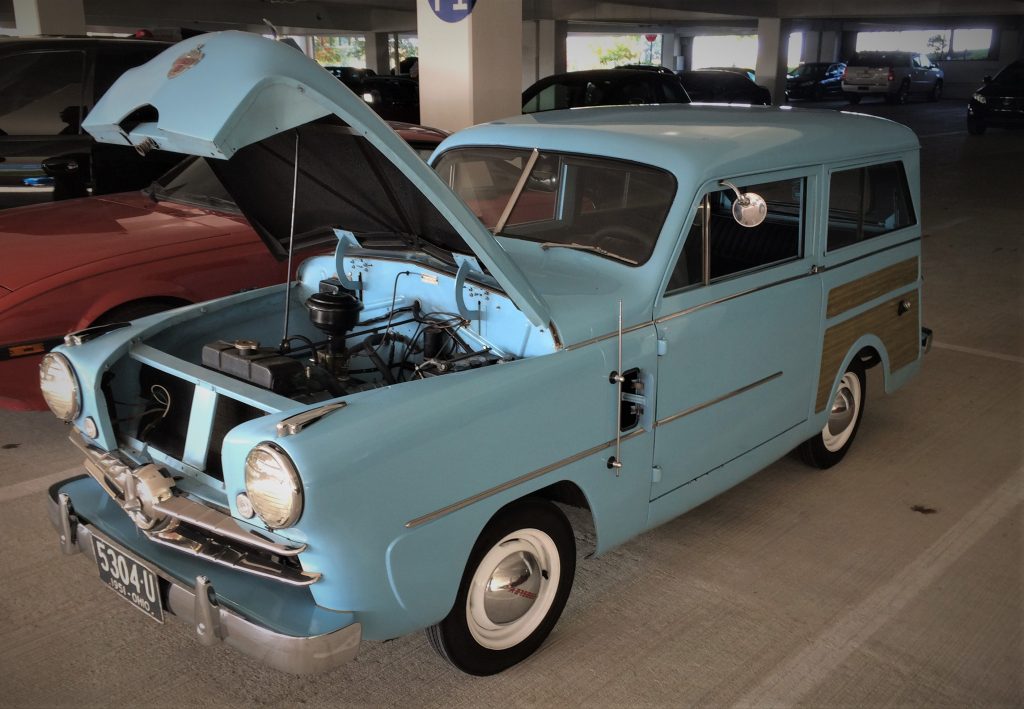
(612, 208)
(734, 249)
(867, 202)
(41, 93)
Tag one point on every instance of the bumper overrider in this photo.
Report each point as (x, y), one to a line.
(232, 584)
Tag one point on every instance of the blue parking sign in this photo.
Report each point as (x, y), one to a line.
(452, 10)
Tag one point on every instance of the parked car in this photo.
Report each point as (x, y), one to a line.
(815, 80)
(742, 71)
(102, 260)
(657, 68)
(892, 75)
(602, 87)
(718, 86)
(999, 102)
(47, 84)
(662, 305)
(393, 98)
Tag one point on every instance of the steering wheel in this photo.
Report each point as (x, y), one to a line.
(621, 240)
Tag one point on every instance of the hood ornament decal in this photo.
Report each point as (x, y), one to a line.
(186, 61)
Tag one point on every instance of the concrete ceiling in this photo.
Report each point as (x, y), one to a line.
(400, 15)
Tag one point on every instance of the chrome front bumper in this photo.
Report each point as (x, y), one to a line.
(213, 623)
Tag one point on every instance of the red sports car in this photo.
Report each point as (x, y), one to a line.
(84, 262)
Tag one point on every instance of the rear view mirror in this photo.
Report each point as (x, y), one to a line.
(749, 208)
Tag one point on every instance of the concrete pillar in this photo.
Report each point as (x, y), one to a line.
(669, 49)
(540, 50)
(811, 46)
(771, 57)
(34, 17)
(561, 34)
(828, 48)
(847, 45)
(377, 52)
(684, 60)
(470, 69)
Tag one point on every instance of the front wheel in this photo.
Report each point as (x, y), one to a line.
(936, 93)
(828, 447)
(975, 126)
(513, 590)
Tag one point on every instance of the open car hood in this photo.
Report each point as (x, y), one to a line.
(248, 104)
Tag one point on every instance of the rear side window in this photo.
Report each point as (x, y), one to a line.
(867, 202)
(41, 93)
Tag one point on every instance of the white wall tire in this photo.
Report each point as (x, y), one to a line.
(513, 590)
(845, 411)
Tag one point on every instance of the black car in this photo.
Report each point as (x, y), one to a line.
(719, 86)
(1000, 102)
(815, 80)
(603, 87)
(393, 98)
(47, 86)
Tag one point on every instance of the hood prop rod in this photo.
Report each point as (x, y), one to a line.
(285, 347)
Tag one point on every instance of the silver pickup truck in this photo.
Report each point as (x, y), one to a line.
(891, 75)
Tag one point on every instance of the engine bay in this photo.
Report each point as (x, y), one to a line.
(352, 354)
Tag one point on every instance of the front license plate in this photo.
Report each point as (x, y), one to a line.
(128, 577)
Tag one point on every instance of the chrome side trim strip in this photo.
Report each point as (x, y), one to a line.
(734, 296)
(687, 311)
(716, 400)
(873, 253)
(455, 506)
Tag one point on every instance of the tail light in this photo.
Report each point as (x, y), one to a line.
(892, 74)
(843, 78)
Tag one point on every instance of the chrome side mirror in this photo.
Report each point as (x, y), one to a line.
(749, 208)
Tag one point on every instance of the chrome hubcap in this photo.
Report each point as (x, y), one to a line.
(842, 417)
(513, 587)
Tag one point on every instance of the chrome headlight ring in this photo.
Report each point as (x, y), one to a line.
(59, 386)
(273, 486)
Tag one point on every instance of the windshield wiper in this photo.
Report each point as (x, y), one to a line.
(586, 247)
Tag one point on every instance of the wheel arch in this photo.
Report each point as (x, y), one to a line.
(165, 301)
(457, 534)
(870, 351)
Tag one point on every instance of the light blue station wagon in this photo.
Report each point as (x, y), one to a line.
(627, 310)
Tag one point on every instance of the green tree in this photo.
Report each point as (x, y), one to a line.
(937, 43)
(325, 51)
(619, 53)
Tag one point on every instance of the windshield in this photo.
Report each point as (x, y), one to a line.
(613, 208)
(192, 182)
(878, 61)
(1012, 75)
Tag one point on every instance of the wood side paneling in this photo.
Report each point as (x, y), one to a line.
(900, 334)
(863, 290)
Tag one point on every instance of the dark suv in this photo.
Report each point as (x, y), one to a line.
(603, 87)
(47, 86)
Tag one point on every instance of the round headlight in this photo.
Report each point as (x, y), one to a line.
(979, 98)
(273, 484)
(60, 387)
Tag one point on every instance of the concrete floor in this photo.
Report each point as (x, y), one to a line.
(798, 587)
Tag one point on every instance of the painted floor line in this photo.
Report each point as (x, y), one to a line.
(35, 486)
(980, 353)
(795, 678)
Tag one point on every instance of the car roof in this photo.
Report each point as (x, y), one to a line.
(698, 142)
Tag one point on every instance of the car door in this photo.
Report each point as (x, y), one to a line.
(739, 331)
(43, 96)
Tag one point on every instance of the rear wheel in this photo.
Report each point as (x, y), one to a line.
(513, 590)
(852, 98)
(833, 441)
(903, 94)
